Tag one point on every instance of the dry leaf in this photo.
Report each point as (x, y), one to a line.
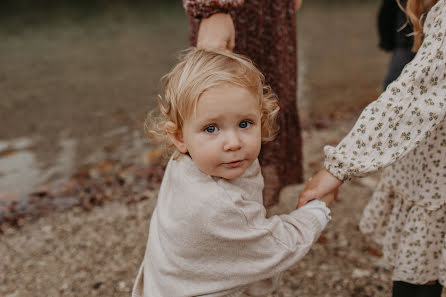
(322, 239)
(374, 252)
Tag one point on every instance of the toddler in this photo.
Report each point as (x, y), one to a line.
(209, 235)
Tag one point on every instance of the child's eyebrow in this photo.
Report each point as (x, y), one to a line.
(215, 118)
(207, 119)
(251, 114)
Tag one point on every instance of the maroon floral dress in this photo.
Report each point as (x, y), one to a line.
(266, 33)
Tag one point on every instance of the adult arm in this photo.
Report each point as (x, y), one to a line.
(401, 118)
(216, 26)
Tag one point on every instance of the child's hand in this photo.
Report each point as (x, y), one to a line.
(320, 185)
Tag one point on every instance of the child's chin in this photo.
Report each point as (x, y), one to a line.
(232, 175)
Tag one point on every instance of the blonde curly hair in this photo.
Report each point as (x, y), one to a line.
(416, 11)
(198, 71)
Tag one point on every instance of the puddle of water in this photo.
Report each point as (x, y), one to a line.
(21, 172)
(17, 167)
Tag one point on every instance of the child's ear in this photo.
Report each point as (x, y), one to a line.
(176, 136)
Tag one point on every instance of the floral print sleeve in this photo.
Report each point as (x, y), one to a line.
(205, 8)
(405, 113)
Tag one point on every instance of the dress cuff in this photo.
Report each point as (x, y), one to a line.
(201, 9)
(334, 165)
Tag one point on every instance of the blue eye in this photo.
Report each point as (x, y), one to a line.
(211, 129)
(244, 124)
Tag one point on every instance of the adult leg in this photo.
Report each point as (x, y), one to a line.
(429, 290)
(400, 57)
(403, 289)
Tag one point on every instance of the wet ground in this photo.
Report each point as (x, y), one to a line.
(76, 92)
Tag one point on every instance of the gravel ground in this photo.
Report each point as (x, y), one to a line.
(97, 252)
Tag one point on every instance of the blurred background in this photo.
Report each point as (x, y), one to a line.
(77, 78)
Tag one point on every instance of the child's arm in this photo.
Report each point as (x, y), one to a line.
(252, 247)
(223, 241)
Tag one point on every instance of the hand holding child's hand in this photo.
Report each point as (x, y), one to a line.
(330, 198)
(216, 32)
(323, 184)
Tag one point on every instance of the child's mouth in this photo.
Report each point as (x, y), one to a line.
(233, 164)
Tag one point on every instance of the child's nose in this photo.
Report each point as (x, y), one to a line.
(232, 141)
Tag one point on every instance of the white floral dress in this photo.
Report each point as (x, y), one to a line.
(405, 129)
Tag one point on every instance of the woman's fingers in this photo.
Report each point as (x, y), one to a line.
(216, 32)
(320, 185)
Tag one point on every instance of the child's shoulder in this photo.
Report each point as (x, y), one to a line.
(185, 184)
(184, 181)
(194, 199)
(184, 171)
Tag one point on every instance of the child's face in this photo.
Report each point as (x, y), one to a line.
(223, 138)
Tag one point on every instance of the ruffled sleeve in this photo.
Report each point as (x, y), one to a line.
(205, 8)
(404, 115)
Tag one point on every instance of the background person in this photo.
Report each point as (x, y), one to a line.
(404, 130)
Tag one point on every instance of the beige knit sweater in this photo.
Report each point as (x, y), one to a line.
(210, 236)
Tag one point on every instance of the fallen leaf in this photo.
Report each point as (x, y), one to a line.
(153, 156)
(105, 166)
(322, 239)
(374, 252)
(7, 152)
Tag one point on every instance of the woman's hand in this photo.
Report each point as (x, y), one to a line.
(319, 186)
(330, 198)
(216, 32)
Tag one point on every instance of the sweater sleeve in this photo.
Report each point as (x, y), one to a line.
(205, 8)
(246, 247)
(404, 115)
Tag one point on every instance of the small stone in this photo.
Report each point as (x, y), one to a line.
(122, 286)
(309, 274)
(97, 285)
(359, 273)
